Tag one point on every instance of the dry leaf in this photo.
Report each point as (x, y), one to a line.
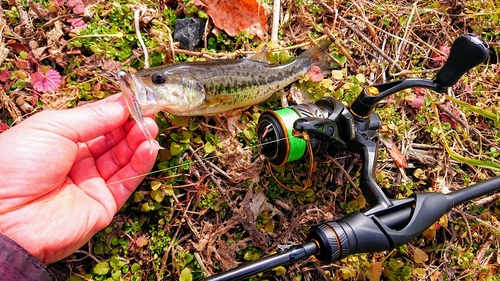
(419, 256)
(436, 276)
(237, 16)
(395, 153)
(429, 233)
(141, 242)
(375, 271)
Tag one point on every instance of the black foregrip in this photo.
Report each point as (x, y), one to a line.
(361, 233)
(466, 52)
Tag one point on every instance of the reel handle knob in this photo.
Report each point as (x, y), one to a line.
(467, 51)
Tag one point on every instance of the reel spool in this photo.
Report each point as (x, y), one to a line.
(277, 137)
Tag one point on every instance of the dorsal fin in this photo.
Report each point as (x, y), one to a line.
(261, 55)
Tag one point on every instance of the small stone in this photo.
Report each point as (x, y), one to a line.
(189, 31)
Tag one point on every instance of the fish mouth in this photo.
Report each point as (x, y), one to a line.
(130, 88)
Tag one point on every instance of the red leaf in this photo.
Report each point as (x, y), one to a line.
(438, 56)
(417, 102)
(46, 82)
(77, 5)
(76, 24)
(446, 118)
(315, 74)
(237, 16)
(18, 47)
(3, 127)
(4, 75)
(418, 91)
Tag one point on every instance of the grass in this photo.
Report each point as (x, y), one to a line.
(189, 217)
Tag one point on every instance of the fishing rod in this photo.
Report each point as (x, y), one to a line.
(332, 127)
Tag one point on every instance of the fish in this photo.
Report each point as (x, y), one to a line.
(215, 86)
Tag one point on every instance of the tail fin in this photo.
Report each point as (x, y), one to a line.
(319, 56)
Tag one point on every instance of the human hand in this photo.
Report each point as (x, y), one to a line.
(64, 174)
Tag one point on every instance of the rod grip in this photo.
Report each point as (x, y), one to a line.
(466, 52)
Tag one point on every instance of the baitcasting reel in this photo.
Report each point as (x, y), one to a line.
(331, 126)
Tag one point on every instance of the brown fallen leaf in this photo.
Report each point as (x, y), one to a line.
(374, 271)
(237, 16)
(395, 153)
(419, 256)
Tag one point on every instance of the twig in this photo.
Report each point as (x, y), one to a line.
(212, 178)
(369, 26)
(224, 174)
(139, 37)
(276, 21)
(320, 271)
(487, 200)
(170, 39)
(400, 47)
(467, 127)
(360, 34)
(87, 255)
(340, 48)
(351, 181)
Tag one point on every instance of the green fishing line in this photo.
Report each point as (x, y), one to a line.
(297, 145)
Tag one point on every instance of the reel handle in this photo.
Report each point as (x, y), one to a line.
(466, 52)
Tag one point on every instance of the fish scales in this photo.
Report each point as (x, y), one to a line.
(241, 89)
(215, 86)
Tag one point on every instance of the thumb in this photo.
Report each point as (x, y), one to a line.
(86, 122)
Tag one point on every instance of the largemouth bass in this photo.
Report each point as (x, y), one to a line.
(215, 86)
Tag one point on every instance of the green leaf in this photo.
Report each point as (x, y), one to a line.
(186, 275)
(209, 148)
(157, 195)
(146, 208)
(175, 149)
(138, 197)
(280, 270)
(248, 256)
(155, 185)
(23, 55)
(101, 268)
(136, 267)
(193, 126)
(249, 133)
(180, 121)
(337, 74)
(99, 248)
(116, 263)
(493, 116)
(169, 191)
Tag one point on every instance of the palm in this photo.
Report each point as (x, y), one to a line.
(59, 185)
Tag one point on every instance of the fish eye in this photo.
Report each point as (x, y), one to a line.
(158, 78)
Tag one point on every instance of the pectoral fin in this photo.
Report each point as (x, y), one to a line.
(216, 100)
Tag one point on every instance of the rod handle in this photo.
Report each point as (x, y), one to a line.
(467, 51)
